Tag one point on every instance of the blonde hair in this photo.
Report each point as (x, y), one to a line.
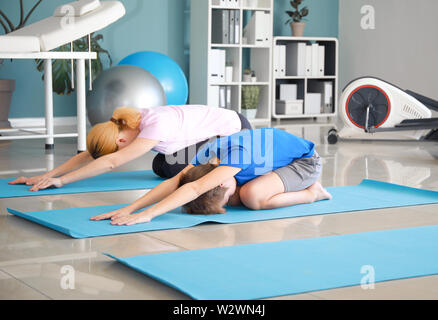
(101, 139)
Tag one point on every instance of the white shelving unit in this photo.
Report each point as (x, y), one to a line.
(331, 74)
(241, 55)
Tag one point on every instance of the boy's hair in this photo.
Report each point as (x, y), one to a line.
(209, 202)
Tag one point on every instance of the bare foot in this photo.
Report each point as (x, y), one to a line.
(319, 192)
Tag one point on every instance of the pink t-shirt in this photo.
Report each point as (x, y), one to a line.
(177, 127)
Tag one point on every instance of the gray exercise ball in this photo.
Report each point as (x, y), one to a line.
(123, 86)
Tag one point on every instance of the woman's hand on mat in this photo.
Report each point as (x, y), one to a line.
(47, 183)
(113, 215)
(28, 181)
(131, 219)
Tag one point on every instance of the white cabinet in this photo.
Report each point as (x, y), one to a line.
(304, 68)
(228, 37)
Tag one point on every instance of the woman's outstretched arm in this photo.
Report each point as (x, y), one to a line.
(181, 196)
(137, 148)
(70, 165)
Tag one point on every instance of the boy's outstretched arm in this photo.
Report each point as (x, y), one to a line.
(181, 196)
(155, 195)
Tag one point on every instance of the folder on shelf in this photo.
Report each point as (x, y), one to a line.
(220, 26)
(257, 30)
(296, 59)
(222, 64)
(282, 61)
(315, 60)
(232, 26)
(312, 104)
(217, 66)
(279, 54)
(328, 103)
(308, 61)
(222, 96)
(325, 88)
(276, 64)
(236, 26)
(228, 97)
(321, 61)
(213, 96)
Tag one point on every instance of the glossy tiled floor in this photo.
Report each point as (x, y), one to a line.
(32, 257)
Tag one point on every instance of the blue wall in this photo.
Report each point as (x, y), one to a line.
(156, 25)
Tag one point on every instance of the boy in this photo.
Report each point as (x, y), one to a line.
(261, 169)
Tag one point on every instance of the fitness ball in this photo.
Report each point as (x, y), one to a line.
(123, 86)
(166, 70)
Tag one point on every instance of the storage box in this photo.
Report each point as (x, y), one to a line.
(288, 92)
(313, 103)
(292, 107)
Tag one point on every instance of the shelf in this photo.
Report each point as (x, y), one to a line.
(296, 116)
(224, 8)
(305, 77)
(288, 39)
(254, 83)
(256, 46)
(240, 83)
(225, 84)
(225, 45)
(309, 84)
(241, 56)
(240, 8)
(255, 9)
(259, 121)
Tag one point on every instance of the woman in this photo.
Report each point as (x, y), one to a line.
(261, 169)
(175, 132)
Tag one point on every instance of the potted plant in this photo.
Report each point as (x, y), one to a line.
(250, 101)
(247, 75)
(296, 17)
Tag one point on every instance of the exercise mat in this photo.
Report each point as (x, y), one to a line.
(273, 269)
(112, 181)
(368, 195)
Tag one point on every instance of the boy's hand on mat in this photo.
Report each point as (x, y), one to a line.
(47, 183)
(131, 219)
(113, 215)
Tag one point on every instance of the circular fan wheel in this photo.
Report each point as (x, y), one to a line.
(362, 98)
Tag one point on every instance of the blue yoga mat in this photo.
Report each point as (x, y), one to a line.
(273, 269)
(366, 196)
(112, 181)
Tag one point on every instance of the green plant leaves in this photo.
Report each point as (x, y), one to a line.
(304, 12)
(61, 69)
(297, 15)
(250, 97)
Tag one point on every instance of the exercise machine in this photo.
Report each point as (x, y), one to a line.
(373, 109)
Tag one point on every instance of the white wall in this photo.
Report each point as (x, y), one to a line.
(402, 49)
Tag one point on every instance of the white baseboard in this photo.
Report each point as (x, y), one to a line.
(40, 122)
